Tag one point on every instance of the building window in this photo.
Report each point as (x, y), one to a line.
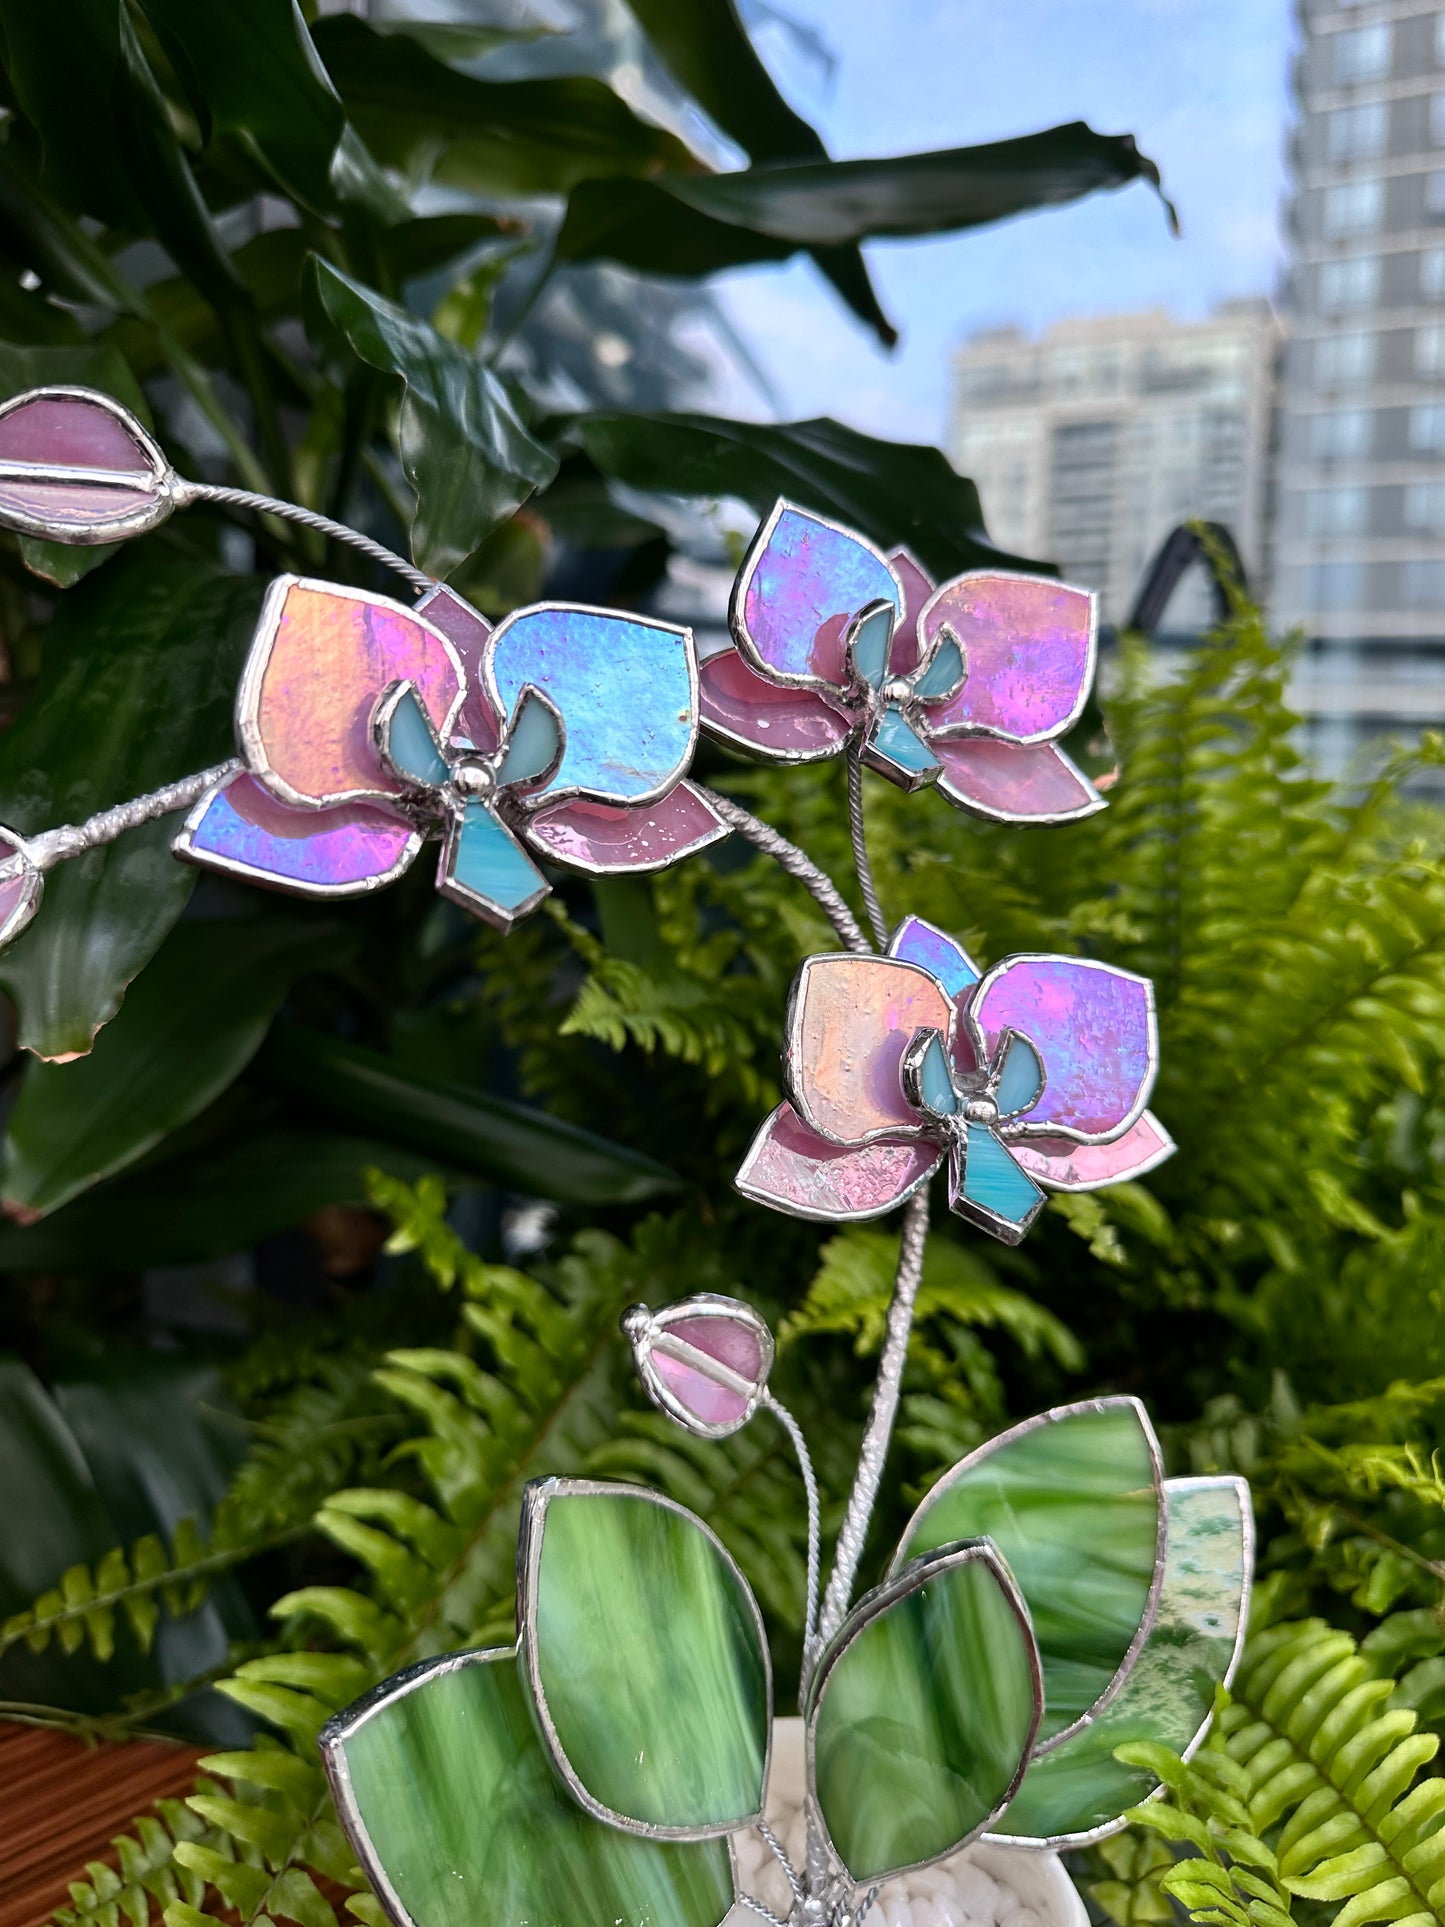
(1430, 350)
(1432, 274)
(1427, 428)
(1363, 53)
(1353, 207)
(1425, 507)
(1344, 358)
(1340, 434)
(1435, 193)
(1351, 283)
(1336, 511)
(1440, 40)
(1437, 120)
(1423, 584)
(1358, 133)
(1339, 585)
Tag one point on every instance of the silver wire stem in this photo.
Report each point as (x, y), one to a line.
(860, 848)
(761, 1909)
(74, 839)
(815, 1529)
(789, 857)
(184, 493)
(775, 1846)
(874, 1450)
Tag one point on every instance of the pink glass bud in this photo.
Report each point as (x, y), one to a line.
(21, 886)
(704, 1361)
(77, 467)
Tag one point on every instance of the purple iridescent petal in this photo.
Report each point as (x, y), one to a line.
(802, 583)
(645, 836)
(1014, 782)
(1028, 647)
(321, 658)
(794, 1170)
(241, 828)
(54, 428)
(923, 944)
(1093, 1028)
(464, 627)
(1063, 1166)
(849, 1022)
(917, 588)
(744, 709)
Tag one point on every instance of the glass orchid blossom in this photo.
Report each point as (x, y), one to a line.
(562, 733)
(967, 685)
(1031, 1077)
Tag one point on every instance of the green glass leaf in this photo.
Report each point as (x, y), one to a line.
(645, 1654)
(1073, 1501)
(456, 1816)
(463, 445)
(1076, 1793)
(922, 1712)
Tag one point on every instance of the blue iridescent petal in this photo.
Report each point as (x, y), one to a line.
(926, 1081)
(990, 1188)
(868, 641)
(534, 740)
(895, 749)
(942, 675)
(485, 869)
(407, 741)
(1020, 1077)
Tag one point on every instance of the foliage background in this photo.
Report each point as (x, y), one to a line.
(286, 1324)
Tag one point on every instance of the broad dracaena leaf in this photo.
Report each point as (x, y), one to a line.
(188, 1028)
(136, 691)
(463, 445)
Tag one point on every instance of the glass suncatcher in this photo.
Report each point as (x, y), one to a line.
(1054, 1597)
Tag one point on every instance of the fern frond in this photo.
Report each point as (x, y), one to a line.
(149, 1870)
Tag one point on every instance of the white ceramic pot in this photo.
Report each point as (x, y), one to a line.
(981, 1886)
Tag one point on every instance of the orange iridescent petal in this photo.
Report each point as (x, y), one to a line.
(850, 1022)
(321, 657)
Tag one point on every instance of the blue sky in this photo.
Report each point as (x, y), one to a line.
(1201, 83)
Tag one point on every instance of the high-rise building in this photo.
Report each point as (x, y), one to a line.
(1090, 443)
(1360, 539)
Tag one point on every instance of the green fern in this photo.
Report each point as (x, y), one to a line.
(151, 1867)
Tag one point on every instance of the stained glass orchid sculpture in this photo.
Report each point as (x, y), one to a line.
(967, 685)
(1030, 1077)
(562, 733)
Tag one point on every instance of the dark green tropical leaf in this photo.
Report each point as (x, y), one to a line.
(37, 233)
(892, 491)
(174, 1212)
(465, 449)
(511, 1144)
(250, 68)
(93, 366)
(54, 1515)
(186, 1031)
(137, 690)
(697, 225)
(63, 65)
(490, 137)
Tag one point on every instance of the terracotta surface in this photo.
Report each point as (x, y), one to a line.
(63, 1801)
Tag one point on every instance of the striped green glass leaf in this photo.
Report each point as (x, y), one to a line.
(922, 1712)
(646, 1659)
(456, 1816)
(1077, 1791)
(1073, 1501)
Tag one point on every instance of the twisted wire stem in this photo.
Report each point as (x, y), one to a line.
(779, 1853)
(789, 857)
(815, 1531)
(860, 848)
(74, 839)
(874, 1450)
(243, 498)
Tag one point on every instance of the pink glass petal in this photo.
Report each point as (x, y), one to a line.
(712, 1404)
(1092, 1026)
(241, 828)
(803, 581)
(602, 839)
(1063, 1166)
(1014, 782)
(740, 707)
(917, 588)
(793, 1169)
(728, 1340)
(21, 889)
(921, 943)
(78, 431)
(321, 657)
(465, 627)
(1028, 647)
(850, 1022)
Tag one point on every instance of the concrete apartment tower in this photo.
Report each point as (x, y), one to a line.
(1092, 442)
(1360, 545)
